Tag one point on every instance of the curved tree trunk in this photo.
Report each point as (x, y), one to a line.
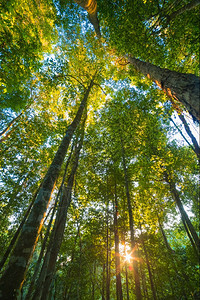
(13, 277)
(181, 87)
(91, 7)
(194, 141)
(181, 133)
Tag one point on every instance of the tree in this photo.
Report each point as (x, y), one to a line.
(180, 87)
(131, 229)
(29, 235)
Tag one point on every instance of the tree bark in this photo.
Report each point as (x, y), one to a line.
(107, 259)
(181, 87)
(103, 282)
(145, 291)
(127, 284)
(13, 277)
(37, 267)
(173, 261)
(164, 236)
(193, 139)
(49, 264)
(68, 288)
(3, 132)
(117, 254)
(189, 6)
(182, 211)
(10, 247)
(131, 225)
(91, 7)
(179, 130)
(149, 269)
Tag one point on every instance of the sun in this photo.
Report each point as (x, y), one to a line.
(128, 257)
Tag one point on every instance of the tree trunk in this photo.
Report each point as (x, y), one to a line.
(37, 267)
(12, 122)
(117, 254)
(189, 6)
(146, 295)
(178, 86)
(182, 135)
(103, 282)
(59, 227)
(193, 139)
(182, 211)
(190, 237)
(127, 285)
(107, 260)
(164, 236)
(91, 7)
(10, 247)
(13, 277)
(133, 245)
(68, 288)
(172, 258)
(149, 269)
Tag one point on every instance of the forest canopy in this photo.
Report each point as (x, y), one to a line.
(99, 114)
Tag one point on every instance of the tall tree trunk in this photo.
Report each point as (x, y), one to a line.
(178, 86)
(190, 237)
(13, 277)
(165, 17)
(189, 6)
(164, 236)
(127, 284)
(194, 141)
(117, 254)
(172, 258)
(91, 7)
(68, 288)
(37, 267)
(131, 225)
(149, 269)
(10, 247)
(3, 132)
(146, 295)
(182, 211)
(59, 227)
(93, 281)
(103, 283)
(181, 133)
(107, 259)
